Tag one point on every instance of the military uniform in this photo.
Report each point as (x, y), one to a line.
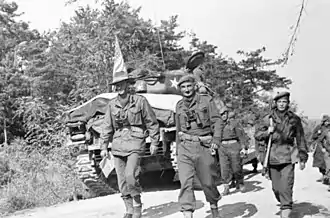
(250, 131)
(126, 127)
(197, 123)
(287, 129)
(326, 151)
(233, 140)
(322, 151)
(318, 156)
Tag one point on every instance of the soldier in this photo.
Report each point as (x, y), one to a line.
(233, 145)
(127, 120)
(194, 68)
(286, 128)
(198, 134)
(250, 131)
(318, 157)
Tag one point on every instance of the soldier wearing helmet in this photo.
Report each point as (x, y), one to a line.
(233, 144)
(198, 134)
(286, 130)
(127, 121)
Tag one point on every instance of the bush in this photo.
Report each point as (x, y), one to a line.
(37, 179)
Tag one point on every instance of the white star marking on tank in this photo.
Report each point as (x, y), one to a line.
(174, 83)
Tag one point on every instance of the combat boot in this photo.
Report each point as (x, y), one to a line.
(214, 211)
(285, 213)
(137, 207)
(232, 184)
(187, 214)
(129, 207)
(226, 190)
(325, 180)
(241, 187)
(137, 213)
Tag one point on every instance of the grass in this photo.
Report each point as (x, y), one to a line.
(32, 179)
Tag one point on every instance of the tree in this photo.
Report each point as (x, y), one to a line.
(13, 82)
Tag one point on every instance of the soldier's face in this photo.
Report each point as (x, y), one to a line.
(187, 89)
(282, 104)
(121, 87)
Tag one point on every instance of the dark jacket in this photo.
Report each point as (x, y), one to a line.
(128, 132)
(288, 129)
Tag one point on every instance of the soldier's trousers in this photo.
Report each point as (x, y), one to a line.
(194, 159)
(282, 177)
(128, 170)
(327, 164)
(231, 163)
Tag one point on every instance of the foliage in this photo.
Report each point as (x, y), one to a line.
(37, 179)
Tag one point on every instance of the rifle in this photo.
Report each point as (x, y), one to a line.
(265, 165)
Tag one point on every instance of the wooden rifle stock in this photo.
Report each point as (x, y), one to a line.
(265, 165)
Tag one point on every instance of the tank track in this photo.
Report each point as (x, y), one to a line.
(174, 161)
(92, 177)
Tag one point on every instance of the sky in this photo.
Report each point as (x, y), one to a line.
(232, 25)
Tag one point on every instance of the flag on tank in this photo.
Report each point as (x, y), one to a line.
(119, 64)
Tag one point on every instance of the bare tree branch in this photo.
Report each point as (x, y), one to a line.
(289, 51)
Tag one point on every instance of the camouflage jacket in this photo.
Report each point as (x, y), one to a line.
(205, 121)
(128, 127)
(287, 130)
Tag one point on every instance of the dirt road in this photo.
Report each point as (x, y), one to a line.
(311, 200)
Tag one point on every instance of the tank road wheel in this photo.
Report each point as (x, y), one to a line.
(92, 176)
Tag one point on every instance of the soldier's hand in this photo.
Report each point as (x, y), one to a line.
(214, 146)
(153, 149)
(319, 132)
(302, 165)
(105, 153)
(323, 150)
(271, 129)
(243, 153)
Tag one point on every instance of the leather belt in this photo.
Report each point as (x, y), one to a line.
(226, 142)
(132, 128)
(194, 138)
